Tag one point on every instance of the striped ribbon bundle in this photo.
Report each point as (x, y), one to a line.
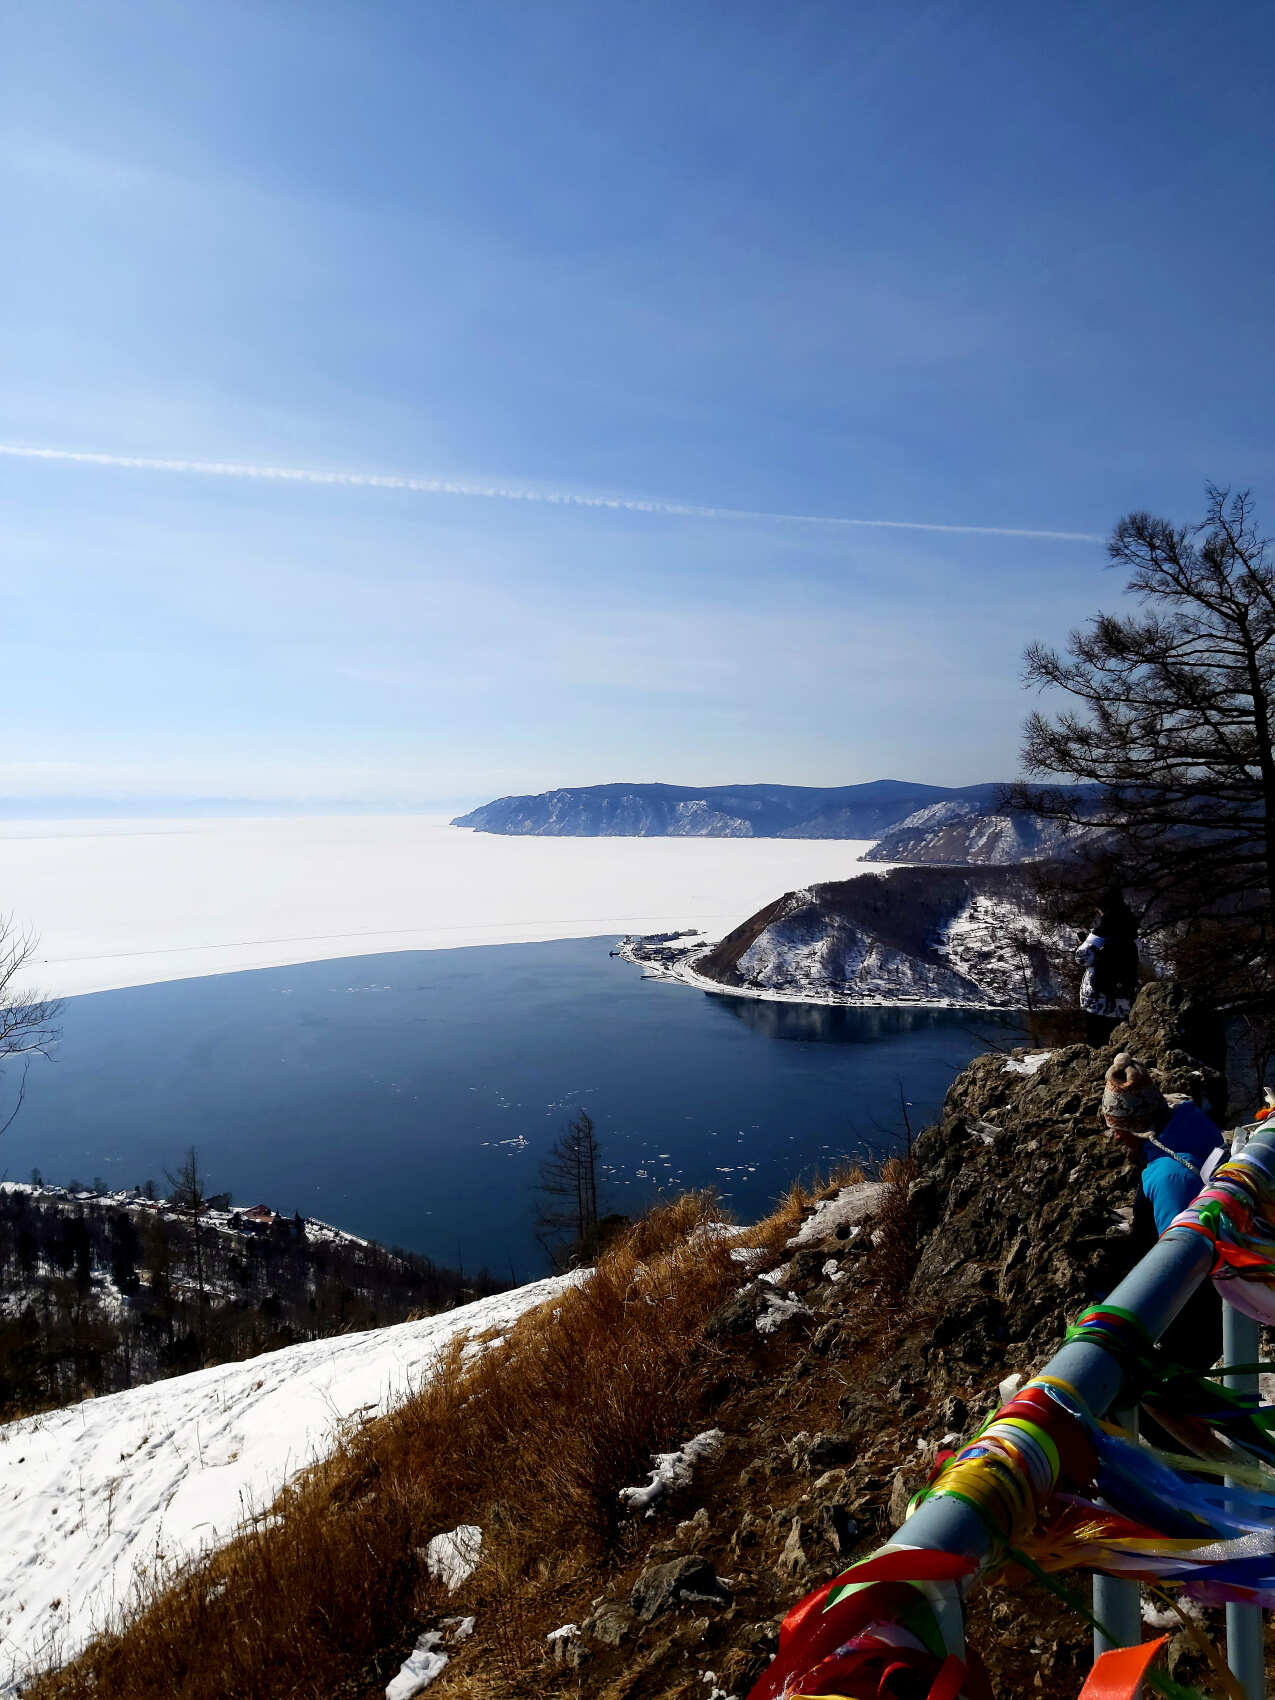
(890, 1626)
(1236, 1213)
(1058, 1490)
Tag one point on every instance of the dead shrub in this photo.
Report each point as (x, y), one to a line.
(894, 1242)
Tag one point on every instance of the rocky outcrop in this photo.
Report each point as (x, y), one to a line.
(718, 811)
(1023, 1205)
(1185, 1039)
(1022, 1202)
(688, 1580)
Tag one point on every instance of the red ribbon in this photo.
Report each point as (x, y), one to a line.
(831, 1649)
(1076, 1454)
(1118, 1674)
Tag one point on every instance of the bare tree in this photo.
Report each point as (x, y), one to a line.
(190, 1196)
(28, 1019)
(568, 1188)
(1172, 727)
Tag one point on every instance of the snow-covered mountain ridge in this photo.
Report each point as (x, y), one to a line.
(948, 937)
(961, 831)
(718, 811)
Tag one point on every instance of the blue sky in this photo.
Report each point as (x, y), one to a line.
(966, 265)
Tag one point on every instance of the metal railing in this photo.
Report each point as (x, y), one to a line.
(1154, 1292)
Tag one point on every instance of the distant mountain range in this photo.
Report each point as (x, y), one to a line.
(721, 811)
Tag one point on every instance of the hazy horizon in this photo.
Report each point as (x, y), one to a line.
(158, 806)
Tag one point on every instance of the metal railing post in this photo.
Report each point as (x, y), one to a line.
(1241, 1344)
(1117, 1601)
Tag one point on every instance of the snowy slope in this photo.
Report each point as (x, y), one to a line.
(960, 831)
(94, 1495)
(805, 950)
(948, 938)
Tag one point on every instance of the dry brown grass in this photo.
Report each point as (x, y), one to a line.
(532, 1440)
(801, 1195)
(893, 1257)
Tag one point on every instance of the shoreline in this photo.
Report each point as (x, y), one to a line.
(682, 973)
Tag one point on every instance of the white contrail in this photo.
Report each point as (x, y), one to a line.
(507, 493)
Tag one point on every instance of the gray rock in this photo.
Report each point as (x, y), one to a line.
(610, 1623)
(837, 1528)
(792, 1560)
(826, 1341)
(830, 1452)
(662, 1587)
(829, 1515)
(954, 1413)
(759, 1641)
(737, 1316)
(748, 1535)
(901, 1491)
(569, 1650)
(763, 1636)
(806, 1267)
(694, 1526)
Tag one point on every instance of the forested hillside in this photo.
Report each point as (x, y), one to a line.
(99, 1292)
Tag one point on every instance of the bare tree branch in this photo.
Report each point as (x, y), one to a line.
(1172, 718)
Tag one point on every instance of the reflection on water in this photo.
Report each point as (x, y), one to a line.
(838, 1024)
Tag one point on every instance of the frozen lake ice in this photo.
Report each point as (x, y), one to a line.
(128, 902)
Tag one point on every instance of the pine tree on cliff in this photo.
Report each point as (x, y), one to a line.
(1172, 718)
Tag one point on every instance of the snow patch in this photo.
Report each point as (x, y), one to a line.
(748, 1255)
(422, 1665)
(106, 1493)
(452, 1558)
(1160, 1617)
(777, 1311)
(672, 1470)
(851, 1206)
(1027, 1064)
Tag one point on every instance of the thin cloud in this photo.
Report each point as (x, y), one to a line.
(508, 493)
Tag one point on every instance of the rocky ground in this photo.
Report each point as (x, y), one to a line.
(885, 1334)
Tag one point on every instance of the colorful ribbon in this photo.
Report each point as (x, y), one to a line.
(1236, 1213)
(1118, 1674)
(878, 1631)
(1057, 1490)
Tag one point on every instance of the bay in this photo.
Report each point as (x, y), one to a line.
(410, 1097)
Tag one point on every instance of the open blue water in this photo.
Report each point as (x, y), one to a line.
(410, 1097)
